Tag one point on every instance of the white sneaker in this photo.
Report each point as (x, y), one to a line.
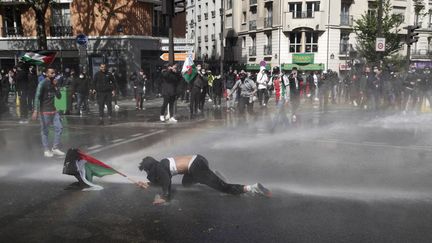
(167, 117)
(259, 189)
(57, 152)
(48, 154)
(294, 118)
(172, 120)
(162, 118)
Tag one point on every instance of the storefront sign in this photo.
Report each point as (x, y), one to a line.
(303, 58)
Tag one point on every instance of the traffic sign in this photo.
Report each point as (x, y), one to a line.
(82, 39)
(380, 44)
(181, 56)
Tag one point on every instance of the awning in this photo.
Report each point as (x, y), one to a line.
(307, 67)
(256, 67)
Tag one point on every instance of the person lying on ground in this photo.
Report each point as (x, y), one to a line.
(195, 169)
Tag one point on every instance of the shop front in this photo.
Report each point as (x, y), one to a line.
(303, 62)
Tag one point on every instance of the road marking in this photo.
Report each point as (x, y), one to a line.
(4, 129)
(94, 147)
(124, 142)
(136, 135)
(117, 140)
(372, 143)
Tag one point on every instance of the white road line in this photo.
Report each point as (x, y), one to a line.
(94, 147)
(372, 143)
(4, 129)
(125, 141)
(136, 135)
(117, 140)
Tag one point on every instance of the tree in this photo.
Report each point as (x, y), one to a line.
(40, 8)
(366, 30)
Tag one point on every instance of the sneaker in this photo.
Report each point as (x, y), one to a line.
(172, 120)
(162, 118)
(56, 151)
(48, 154)
(294, 118)
(259, 189)
(167, 117)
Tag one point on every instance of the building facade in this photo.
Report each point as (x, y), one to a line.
(204, 28)
(309, 34)
(126, 35)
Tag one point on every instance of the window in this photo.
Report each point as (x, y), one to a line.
(228, 21)
(244, 42)
(244, 17)
(229, 4)
(311, 42)
(296, 9)
(313, 6)
(61, 24)
(12, 22)
(400, 11)
(295, 42)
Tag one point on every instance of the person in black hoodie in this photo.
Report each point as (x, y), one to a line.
(197, 89)
(105, 86)
(22, 88)
(217, 91)
(33, 83)
(80, 91)
(195, 169)
(169, 92)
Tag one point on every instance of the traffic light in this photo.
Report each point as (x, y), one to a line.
(412, 36)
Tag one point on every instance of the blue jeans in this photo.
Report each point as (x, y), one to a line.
(46, 121)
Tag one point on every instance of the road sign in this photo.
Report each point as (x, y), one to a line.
(82, 39)
(380, 44)
(177, 56)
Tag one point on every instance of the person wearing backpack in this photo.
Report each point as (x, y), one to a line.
(247, 89)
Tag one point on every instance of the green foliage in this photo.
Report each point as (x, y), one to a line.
(366, 30)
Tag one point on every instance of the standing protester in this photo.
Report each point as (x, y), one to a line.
(198, 84)
(33, 83)
(169, 91)
(217, 91)
(230, 79)
(262, 81)
(104, 86)
(247, 89)
(139, 86)
(44, 107)
(275, 84)
(22, 88)
(204, 90)
(4, 91)
(80, 90)
(295, 86)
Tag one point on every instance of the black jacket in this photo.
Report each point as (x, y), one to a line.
(104, 82)
(80, 85)
(45, 94)
(22, 80)
(169, 83)
(160, 175)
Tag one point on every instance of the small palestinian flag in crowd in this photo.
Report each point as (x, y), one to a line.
(39, 58)
(189, 70)
(84, 167)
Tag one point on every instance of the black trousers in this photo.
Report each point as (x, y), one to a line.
(168, 100)
(23, 94)
(195, 100)
(104, 98)
(199, 172)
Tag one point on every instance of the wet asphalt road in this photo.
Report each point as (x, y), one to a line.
(345, 176)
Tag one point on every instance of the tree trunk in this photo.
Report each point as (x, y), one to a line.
(40, 29)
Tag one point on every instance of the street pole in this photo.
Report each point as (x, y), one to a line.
(170, 39)
(379, 28)
(280, 32)
(328, 34)
(222, 50)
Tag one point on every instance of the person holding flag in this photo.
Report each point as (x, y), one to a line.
(195, 169)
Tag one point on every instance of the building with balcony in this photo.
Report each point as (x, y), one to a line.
(308, 34)
(204, 29)
(126, 35)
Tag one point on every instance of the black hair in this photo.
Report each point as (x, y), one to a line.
(147, 163)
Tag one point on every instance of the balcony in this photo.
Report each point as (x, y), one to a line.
(213, 37)
(267, 50)
(421, 54)
(294, 20)
(268, 22)
(206, 16)
(58, 31)
(199, 18)
(160, 31)
(12, 32)
(346, 20)
(303, 14)
(206, 38)
(252, 25)
(252, 51)
(213, 14)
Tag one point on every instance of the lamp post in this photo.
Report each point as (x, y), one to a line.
(328, 34)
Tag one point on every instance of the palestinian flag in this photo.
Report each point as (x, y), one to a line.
(84, 167)
(39, 58)
(189, 70)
